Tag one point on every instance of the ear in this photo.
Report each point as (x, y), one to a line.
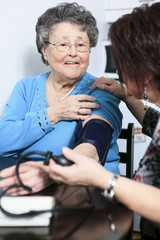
(147, 80)
(44, 53)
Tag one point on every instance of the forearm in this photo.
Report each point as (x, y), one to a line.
(88, 150)
(18, 133)
(141, 198)
(138, 197)
(23, 122)
(136, 107)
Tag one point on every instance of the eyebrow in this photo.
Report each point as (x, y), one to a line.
(66, 37)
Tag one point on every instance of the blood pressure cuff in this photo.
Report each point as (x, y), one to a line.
(98, 133)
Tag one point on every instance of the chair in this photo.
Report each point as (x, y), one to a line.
(128, 156)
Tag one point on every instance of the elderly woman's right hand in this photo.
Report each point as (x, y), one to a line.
(72, 108)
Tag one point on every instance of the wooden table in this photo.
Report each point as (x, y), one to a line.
(105, 221)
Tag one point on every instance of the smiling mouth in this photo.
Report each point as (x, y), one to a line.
(71, 63)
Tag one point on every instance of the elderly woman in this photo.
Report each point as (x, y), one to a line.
(43, 111)
(135, 40)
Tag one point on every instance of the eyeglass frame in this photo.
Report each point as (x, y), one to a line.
(55, 45)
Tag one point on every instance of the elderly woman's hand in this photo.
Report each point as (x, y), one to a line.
(32, 174)
(72, 108)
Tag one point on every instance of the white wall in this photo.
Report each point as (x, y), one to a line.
(19, 56)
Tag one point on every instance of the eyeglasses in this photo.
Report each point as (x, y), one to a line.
(65, 46)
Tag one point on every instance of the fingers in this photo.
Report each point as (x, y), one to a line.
(89, 105)
(56, 171)
(69, 154)
(83, 97)
(8, 172)
(32, 174)
(18, 191)
(82, 108)
(9, 177)
(57, 179)
(75, 107)
(8, 182)
(76, 173)
(100, 81)
(35, 183)
(72, 155)
(84, 111)
(85, 108)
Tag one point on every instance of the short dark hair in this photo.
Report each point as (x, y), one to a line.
(135, 42)
(65, 12)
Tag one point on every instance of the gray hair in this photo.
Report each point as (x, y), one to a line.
(65, 12)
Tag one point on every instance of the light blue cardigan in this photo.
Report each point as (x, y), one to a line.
(25, 125)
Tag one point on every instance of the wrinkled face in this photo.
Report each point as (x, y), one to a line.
(71, 64)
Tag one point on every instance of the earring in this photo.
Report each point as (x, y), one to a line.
(145, 98)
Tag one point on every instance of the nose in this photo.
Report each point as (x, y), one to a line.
(72, 51)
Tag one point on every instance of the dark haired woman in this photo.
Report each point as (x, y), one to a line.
(135, 40)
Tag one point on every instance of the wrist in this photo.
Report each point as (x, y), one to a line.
(129, 99)
(52, 116)
(109, 191)
(126, 98)
(88, 150)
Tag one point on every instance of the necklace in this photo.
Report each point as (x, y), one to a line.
(58, 99)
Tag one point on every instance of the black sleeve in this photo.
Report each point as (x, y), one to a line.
(150, 121)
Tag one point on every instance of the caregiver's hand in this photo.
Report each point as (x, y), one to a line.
(84, 171)
(110, 85)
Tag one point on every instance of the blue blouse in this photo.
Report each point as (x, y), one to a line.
(25, 125)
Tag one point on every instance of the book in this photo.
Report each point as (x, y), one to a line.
(37, 231)
(24, 204)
